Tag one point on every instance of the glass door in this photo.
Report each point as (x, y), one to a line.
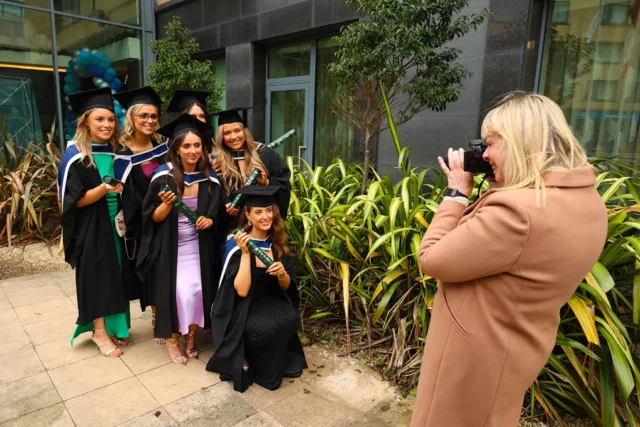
(289, 107)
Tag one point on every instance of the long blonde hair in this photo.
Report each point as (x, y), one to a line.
(129, 128)
(231, 175)
(537, 139)
(82, 138)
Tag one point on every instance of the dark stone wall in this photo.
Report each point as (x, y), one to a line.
(218, 24)
(495, 54)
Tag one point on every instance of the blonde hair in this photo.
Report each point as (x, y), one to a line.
(536, 139)
(129, 128)
(82, 137)
(231, 175)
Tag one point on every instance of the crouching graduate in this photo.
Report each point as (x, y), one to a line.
(254, 319)
(89, 208)
(176, 253)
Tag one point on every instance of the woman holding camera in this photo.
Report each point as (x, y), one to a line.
(505, 265)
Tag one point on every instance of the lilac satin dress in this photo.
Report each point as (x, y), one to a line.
(188, 281)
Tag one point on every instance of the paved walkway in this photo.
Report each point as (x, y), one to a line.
(44, 382)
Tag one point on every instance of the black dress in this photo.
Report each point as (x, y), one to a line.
(128, 169)
(88, 239)
(261, 328)
(157, 261)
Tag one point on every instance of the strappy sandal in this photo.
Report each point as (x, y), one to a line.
(108, 353)
(159, 341)
(192, 353)
(121, 342)
(178, 359)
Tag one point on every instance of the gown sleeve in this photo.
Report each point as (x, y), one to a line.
(226, 310)
(151, 232)
(279, 175)
(74, 191)
(292, 291)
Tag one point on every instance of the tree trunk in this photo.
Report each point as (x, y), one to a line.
(367, 159)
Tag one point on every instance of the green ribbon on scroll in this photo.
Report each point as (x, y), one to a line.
(256, 173)
(262, 256)
(186, 210)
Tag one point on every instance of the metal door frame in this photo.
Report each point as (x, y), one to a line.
(308, 83)
(307, 143)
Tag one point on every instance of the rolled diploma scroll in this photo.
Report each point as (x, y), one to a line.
(256, 173)
(262, 256)
(186, 210)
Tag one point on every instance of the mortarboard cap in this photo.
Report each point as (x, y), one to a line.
(143, 95)
(258, 196)
(232, 116)
(184, 98)
(90, 99)
(184, 123)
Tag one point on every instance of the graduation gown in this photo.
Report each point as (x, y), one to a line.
(260, 328)
(279, 175)
(157, 260)
(88, 239)
(128, 169)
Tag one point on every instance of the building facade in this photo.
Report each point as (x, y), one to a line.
(38, 38)
(274, 53)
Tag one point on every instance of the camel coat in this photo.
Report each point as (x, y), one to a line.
(505, 268)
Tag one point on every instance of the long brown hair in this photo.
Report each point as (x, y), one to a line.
(277, 232)
(202, 166)
(82, 138)
(231, 174)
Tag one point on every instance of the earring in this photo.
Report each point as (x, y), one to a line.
(249, 222)
(87, 127)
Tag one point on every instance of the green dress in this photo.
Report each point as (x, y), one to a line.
(116, 324)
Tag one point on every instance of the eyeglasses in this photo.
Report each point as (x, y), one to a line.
(145, 117)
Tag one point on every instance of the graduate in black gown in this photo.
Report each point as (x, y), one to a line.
(140, 152)
(237, 155)
(176, 254)
(193, 103)
(89, 208)
(254, 319)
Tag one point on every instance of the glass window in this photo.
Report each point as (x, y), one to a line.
(37, 3)
(107, 46)
(288, 112)
(11, 13)
(334, 137)
(290, 61)
(609, 52)
(591, 71)
(561, 13)
(220, 70)
(615, 13)
(125, 11)
(604, 90)
(27, 85)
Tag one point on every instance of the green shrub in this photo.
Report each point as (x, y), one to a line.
(28, 193)
(357, 261)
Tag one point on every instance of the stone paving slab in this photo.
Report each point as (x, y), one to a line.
(45, 382)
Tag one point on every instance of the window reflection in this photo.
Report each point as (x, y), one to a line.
(290, 61)
(334, 137)
(590, 67)
(125, 11)
(120, 46)
(27, 88)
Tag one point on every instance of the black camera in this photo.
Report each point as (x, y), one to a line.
(473, 161)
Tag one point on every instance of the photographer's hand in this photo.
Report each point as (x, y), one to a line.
(456, 176)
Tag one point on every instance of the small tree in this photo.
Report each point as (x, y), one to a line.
(399, 47)
(175, 68)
